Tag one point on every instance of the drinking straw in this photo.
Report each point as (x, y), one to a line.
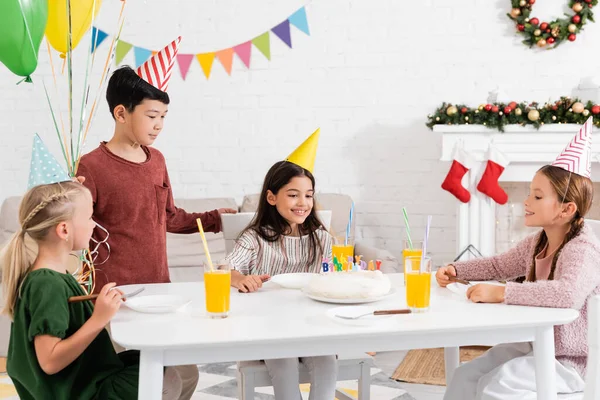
(201, 230)
(410, 243)
(351, 217)
(425, 239)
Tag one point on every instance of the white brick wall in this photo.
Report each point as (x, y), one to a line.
(368, 75)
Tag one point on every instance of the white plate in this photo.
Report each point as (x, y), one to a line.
(352, 311)
(461, 289)
(349, 301)
(293, 281)
(157, 304)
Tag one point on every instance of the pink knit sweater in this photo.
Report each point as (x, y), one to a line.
(576, 278)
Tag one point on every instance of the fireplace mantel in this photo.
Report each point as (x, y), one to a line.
(526, 148)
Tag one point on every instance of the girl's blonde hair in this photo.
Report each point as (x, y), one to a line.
(41, 209)
(569, 187)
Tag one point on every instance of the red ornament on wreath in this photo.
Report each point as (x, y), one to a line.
(495, 109)
(488, 107)
(549, 34)
(512, 104)
(507, 110)
(596, 109)
(464, 110)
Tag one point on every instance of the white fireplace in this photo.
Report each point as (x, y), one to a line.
(527, 149)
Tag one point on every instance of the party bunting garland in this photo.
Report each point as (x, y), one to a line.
(206, 60)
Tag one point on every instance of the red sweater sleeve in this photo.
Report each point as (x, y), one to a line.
(180, 221)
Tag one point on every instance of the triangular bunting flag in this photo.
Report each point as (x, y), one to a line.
(298, 19)
(206, 62)
(98, 37)
(243, 51)
(282, 31)
(141, 55)
(122, 50)
(263, 44)
(226, 59)
(184, 61)
(44, 167)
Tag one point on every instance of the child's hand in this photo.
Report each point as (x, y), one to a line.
(79, 179)
(251, 283)
(485, 293)
(442, 275)
(227, 211)
(107, 304)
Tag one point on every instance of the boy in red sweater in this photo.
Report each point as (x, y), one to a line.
(130, 185)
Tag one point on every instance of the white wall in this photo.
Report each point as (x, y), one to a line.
(368, 75)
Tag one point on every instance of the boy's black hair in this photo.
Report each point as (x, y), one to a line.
(127, 88)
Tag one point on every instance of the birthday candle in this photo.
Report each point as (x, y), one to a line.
(371, 266)
(378, 262)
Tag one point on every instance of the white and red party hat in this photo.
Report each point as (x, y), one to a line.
(157, 70)
(577, 156)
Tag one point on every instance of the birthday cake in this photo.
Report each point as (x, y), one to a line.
(349, 285)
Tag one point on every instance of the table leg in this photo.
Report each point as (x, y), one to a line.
(151, 375)
(545, 369)
(452, 361)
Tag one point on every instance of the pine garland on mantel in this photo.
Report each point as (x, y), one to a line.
(498, 115)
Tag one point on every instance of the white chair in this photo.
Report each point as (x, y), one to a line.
(253, 374)
(233, 224)
(595, 225)
(592, 376)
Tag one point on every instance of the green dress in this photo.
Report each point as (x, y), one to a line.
(43, 309)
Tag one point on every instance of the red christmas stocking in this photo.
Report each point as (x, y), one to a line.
(488, 184)
(460, 165)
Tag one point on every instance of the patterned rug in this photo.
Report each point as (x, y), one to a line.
(218, 382)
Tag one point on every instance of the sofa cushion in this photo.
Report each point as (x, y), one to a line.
(339, 204)
(187, 250)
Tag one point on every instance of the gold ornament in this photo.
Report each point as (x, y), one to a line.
(533, 115)
(481, 107)
(437, 118)
(451, 110)
(515, 12)
(537, 32)
(522, 3)
(578, 108)
(572, 28)
(555, 31)
(526, 19)
(518, 111)
(500, 113)
(541, 42)
(476, 111)
(466, 118)
(577, 7)
(586, 112)
(554, 118)
(570, 110)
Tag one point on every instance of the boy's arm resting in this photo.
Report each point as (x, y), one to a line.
(509, 265)
(578, 277)
(180, 221)
(54, 354)
(89, 183)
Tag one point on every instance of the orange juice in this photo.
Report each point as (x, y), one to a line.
(410, 253)
(418, 290)
(342, 252)
(217, 285)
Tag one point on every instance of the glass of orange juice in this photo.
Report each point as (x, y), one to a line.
(217, 287)
(342, 248)
(418, 283)
(407, 251)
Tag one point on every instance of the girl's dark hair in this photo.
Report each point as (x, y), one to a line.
(127, 88)
(271, 226)
(569, 187)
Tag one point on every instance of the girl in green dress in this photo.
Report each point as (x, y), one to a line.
(60, 350)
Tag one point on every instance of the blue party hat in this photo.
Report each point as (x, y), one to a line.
(44, 167)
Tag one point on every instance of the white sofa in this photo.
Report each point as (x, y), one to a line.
(185, 252)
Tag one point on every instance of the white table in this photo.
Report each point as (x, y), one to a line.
(276, 323)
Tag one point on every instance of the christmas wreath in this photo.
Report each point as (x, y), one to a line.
(551, 34)
(497, 115)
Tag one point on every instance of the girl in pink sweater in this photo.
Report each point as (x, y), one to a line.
(560, 265)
